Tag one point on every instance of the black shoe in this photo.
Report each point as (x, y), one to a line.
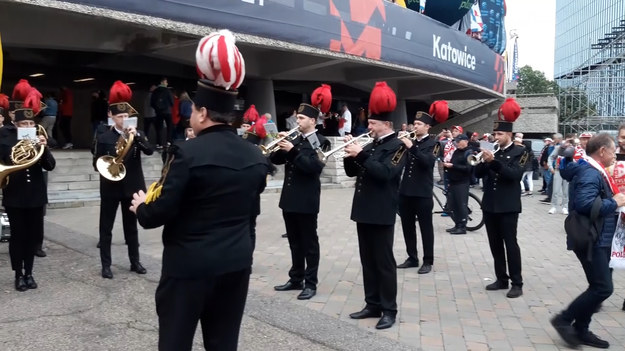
(425, 269)
(106, 273)
(565, 330)
(289, 286)
(409, 263)
(30, 282)
(590, 339)
(137, 267)
(449, 230)
(365, 313)
(547, 200)
(306, 294)
(40, 253)
(458, 231)
(20, 283)
(497, 285)
(285, 235)
(515, 292)
(385, 322)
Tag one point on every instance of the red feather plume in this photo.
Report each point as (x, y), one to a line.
(120, 92)
(509, 111)
(259, 127)
(21, 90)
(4, 101)
(33, 100)
(382, 99)
(439, 110)
(322, 98)
(251, 114)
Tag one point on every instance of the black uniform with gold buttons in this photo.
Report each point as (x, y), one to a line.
(377, 169)
(299, 202)
(416, 198)
(24, 199)
(114, 193)
(501, 205)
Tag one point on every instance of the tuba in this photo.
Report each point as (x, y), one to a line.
(24, 154)
(112, 168)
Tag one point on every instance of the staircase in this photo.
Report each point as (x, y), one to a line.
(74, 183)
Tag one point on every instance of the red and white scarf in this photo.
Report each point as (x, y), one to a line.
(605, 174)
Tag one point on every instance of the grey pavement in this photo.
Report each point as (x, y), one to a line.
(447, 309)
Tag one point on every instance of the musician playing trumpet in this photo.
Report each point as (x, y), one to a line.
(300, 195)
(25, 195)
(107, 142)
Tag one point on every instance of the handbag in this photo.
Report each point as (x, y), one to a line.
(582, 231)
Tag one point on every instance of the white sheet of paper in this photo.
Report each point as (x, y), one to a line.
(27, 133)
(130, 122)
(486, 145)
(110, 121)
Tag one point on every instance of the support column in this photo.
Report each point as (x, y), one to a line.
(399, 115)
(260, 93)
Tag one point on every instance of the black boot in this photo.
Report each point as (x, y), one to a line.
(460, 230)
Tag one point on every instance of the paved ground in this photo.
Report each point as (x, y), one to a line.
(445, 310)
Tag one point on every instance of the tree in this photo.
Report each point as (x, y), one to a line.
(533, 82)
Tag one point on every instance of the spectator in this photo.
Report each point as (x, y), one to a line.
(67, 110)
(99, 109)
(347, 121)
(162, 102)
(559, 195)
(542, 161)
(49, 117)
(184, 111)
(589, 180)
(291, 121)
(360, 127)
(150, 119)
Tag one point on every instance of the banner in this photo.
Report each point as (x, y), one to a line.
(374, 29)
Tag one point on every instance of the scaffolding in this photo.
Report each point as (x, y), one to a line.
(592, 97)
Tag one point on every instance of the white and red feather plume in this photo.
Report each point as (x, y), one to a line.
(219, 60)
(382, 99)
(439, 110)
(509, 111)
(322, 98)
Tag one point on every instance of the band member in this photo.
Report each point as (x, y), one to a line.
(25, 196)
(112, 193)
(459, 175)
(301, 191)
(501, 203)
(4, 109)
(415, 191)
(374, 207)
(206, 200)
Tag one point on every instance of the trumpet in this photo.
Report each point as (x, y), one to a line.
(339, 152)
(410, 135)
(475, 160)
(273, 146)
(112, 168)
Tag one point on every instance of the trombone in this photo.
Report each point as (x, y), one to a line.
(339, 151)
(273, 146)
(475, 160)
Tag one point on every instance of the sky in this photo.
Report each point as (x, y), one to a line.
(535, 26)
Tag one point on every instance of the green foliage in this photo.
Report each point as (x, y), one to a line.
(533, 82)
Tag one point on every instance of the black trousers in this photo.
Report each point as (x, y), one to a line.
(379, 269)
(501, 229)
(66, 128)
(168, 123)
(421, 207)
(217, 302)
(457, 201)
(301, 230)
(26, 234)
(108, 210)
(253, 231)
(157, 122)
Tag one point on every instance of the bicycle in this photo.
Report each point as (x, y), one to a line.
(475, 218)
